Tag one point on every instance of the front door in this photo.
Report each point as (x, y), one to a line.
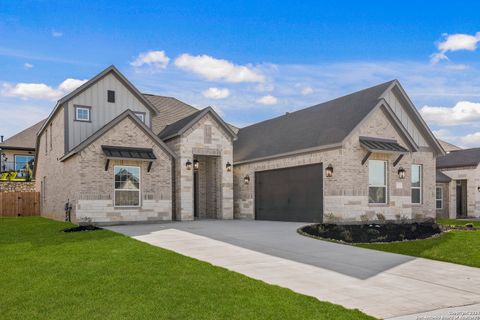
(461, 195)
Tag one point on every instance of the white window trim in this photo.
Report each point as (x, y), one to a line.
(139, 187)
(379, 186)
(77, 108)
(439, 199)
(421, 184)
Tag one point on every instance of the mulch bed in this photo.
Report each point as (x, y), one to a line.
(370, 233)
(82, 228)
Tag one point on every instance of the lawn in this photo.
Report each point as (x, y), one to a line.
(457, 246)
(48, 274)
(457, 222)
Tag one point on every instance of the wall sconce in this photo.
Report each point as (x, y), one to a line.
(196, 164)
(478, 188)
(329, 171)
(228, 166)
(401, 173)
(188, 165)
(246, 179)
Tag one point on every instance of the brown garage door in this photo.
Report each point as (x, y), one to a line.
(290, 194)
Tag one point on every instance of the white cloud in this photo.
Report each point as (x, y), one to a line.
(307, 90)
(154, 59)
(267, 100)
(27, 66)
(472, 139)
(217, 69)
(39, 91)
(57, 34)
(464, 112)
(455, 42)
(216, 93)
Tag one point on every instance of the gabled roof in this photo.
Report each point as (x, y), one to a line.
(325, 124)
(442, 177)
(24, 140)
(128, 113)
(178, 128)
(447, 146)
(459, 158)
(89, 83)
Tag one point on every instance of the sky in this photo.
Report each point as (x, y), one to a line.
(250, 60)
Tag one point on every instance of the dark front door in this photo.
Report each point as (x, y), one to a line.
(290, 194)
(461, 195)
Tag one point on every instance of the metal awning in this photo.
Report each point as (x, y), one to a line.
(128, 153)
(382, 145)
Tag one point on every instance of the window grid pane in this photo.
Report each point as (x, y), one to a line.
(377, 181)
(127, 186)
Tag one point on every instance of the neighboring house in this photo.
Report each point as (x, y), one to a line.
(458, 184)
(448, 147)
(17, 153)
(120, 156)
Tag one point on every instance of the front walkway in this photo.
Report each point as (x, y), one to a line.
(380, 284)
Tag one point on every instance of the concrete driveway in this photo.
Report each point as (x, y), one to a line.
(380, 284)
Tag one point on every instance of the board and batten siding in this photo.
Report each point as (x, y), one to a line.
(399, 109)
(101, 111)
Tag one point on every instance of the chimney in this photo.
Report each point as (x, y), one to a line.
(1, 138)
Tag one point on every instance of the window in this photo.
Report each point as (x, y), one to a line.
(377, 181)
(127, 186)
(140, 115)
(439, 197)
(24, 164)
(110, 96)
(82, 113)
(416, 183)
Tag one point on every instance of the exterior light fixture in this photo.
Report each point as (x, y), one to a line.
(401, 173)
(246, 179)
(478, 188)
(228, 166)
(188, 165)
(329, 171)
(196, 164)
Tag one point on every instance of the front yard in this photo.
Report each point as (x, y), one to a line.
(457, 246)
(48, 274)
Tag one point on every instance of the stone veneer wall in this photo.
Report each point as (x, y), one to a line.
(346, 193)
(83, 181)
(472, 175)
(17, 186)
(194, 142)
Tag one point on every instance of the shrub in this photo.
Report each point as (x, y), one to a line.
(380, 217)
(469, 225)
(364, 218)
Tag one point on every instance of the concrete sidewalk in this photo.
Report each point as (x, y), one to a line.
(408, 287)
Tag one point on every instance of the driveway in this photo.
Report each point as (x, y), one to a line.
(380, 284)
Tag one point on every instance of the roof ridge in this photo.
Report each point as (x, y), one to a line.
(290, 113)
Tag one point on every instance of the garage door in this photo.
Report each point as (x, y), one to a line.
(290, 194)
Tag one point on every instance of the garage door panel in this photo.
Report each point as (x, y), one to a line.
(290, 194)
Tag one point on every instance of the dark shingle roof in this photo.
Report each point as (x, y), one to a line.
(460, 158)
(174, 128)
(25, 139)
(321, 125)
(442, 177)
(169, 110)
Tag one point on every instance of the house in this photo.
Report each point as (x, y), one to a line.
(17, 153)
(458, 184)
(448, 147)
(119, 156)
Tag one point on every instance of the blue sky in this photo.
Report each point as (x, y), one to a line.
(251, 60)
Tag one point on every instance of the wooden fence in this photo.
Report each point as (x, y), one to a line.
(14, 204)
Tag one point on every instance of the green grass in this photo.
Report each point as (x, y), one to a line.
(457, 222)
(457, 246)
(48, 274)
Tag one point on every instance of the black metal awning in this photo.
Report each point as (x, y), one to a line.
(382, 145)
(128, 153)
